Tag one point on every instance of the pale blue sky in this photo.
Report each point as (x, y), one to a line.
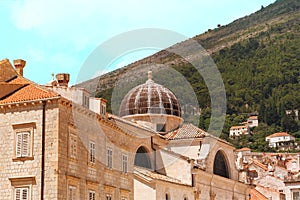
(57, 36)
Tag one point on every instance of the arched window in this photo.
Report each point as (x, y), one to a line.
(142, 158)
(220, 165)
(167, 197)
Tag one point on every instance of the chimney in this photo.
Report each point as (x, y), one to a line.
(63, 79)
(19, 65)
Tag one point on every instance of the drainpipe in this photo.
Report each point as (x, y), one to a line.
(43, 151)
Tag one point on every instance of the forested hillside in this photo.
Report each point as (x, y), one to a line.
(259, 59)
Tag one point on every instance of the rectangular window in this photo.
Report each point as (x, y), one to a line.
(72, 193)
(22, 193)
(296, 195)
(109, 157)
(92, 195)
(124, 163)
(108, 197)
(73, 146)
(92, 152)
(23, 144)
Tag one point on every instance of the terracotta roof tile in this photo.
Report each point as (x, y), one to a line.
(20, 89)
(244, 149)
(237, 127)
(259, 164)
(28, 93)
(185, 132)
(256, 195)
(280, 134)
(253, 117)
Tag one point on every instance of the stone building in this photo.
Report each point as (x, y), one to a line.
(275, 176)
(282, 141)
(60, 143)
(236, 131)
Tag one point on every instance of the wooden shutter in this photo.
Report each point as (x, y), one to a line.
(26, 144)
(72, 193)
(19, 144)
(92, 195)
(23, 144)
(92, 152)
(25, 194)
(22, 193)
(73, 146)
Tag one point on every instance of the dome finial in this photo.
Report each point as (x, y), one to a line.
(149, 75)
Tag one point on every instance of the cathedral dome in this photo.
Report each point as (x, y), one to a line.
(150, 98)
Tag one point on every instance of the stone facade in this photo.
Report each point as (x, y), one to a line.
(59, 148)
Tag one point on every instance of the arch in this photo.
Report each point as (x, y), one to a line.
(142, 158)
(221, 167)
(167, 196)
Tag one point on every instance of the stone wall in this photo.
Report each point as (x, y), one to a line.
(97, 176)
(26, 171)
(214, 187)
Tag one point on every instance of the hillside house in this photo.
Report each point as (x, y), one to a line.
(281, 140)
(252, 121)
(236, 131)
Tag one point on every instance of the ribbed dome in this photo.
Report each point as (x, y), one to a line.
(150, 98)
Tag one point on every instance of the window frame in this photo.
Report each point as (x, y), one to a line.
(22, 188)
(93, 193)
(92, 152)
(72, 190)
(108, 197)
(109, 157)
(22, 129)
(124, 163)
(23, 144)
(293, 192)
(73, 146)
(22, 182)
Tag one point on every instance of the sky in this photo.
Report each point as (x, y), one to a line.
(57, 36)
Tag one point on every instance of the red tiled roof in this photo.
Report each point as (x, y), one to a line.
(256, 195)
(237, 127)
(244, 149)
(253, 117)
(259, 164)
(19, 89)
(185, 132)
(280, 134)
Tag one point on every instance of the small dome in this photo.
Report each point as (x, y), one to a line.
(150, 98)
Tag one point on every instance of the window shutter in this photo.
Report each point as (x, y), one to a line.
(25, 194)
(91, 195)
(73, 146)
(19, 145)
(72, 193)
(26, 144)
(18, 194)
(92, 152)
(22, 194)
